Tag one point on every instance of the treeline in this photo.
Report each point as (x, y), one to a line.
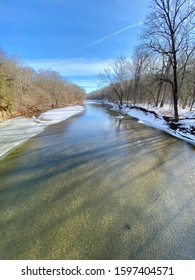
(24, 90)
(144, 83)
(162, 68)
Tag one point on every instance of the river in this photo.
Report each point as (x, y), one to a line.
(95, 187)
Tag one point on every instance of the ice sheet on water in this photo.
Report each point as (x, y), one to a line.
(58, 115)
(17, 130)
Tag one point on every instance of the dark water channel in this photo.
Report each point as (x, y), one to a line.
(94, 187)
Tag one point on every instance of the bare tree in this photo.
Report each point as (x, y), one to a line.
(139, 67)
(169, 31)
(116, 75)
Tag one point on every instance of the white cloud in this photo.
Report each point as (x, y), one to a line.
(89, 84)
(81, 71)
(71, 67)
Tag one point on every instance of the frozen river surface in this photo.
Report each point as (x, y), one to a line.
(95, 187)
(17, 130)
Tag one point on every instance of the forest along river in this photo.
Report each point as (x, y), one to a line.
(94, 187)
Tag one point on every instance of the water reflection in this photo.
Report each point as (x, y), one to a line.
(70, 192)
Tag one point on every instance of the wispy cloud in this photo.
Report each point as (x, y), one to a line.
(89, 83)
(107, 37)
(84, 72)
(72, 66)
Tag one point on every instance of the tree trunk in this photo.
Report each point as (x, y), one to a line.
(175, 81)
(175, 103)
(158, 95)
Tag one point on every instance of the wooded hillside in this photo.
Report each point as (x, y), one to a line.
(24, 91)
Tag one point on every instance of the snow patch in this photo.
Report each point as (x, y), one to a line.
(14, 132)
(185, 128)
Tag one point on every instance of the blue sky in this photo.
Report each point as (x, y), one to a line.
(77, 38)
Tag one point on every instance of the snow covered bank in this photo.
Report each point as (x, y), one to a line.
(18, 130)
(184, 129)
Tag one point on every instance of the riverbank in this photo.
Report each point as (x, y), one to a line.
(17, 130)
(162, 118)
(30, 111)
